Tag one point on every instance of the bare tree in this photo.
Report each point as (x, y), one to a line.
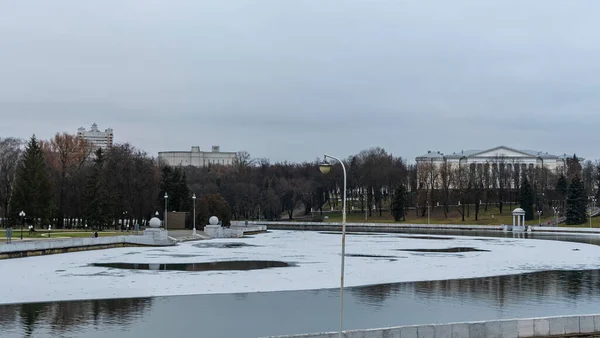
(447, 180)
(10, 154)
(461, 175)
(427, 176)
(243, 159)
(588, 174)
(66, 154)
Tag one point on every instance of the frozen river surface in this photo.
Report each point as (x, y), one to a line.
(313, 257)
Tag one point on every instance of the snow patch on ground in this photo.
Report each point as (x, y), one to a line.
(317, 255)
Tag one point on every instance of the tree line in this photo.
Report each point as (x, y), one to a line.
(66, 183)
(501, 182)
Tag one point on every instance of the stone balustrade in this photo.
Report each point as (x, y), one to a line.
(510, 328)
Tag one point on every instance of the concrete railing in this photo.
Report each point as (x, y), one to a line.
(25, 248)
(272, 224)
(390, 227)
(510, 328)
(565, 229)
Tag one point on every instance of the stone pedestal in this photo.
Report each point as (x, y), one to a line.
(214, 230)
(157, 234)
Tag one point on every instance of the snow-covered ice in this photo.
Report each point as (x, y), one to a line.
(317, 255)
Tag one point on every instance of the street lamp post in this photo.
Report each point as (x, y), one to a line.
(539, 212)
(592, 206)
(325, 168)
(555, 209)
(194, 200)
(22, 214)
(166, 199)
(428, 213)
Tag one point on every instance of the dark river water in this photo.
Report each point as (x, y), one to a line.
(272, 313)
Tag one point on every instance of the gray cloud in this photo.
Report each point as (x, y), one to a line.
(290, 80)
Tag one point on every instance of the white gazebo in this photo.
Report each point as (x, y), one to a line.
(518, 220)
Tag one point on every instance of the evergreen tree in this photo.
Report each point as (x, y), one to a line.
(213, 205)
(399, 203)
(166, 186)
(32, 187)
(183, 193)
(526, 198)
(573, 167)
(97, 200)
(561, 187)
(576, 202)
(174, 183)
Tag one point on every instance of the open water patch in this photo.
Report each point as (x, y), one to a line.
(226, 245)
(349, 233)
(369, 256)
(426, 237)
(446, 250)
(192, 267)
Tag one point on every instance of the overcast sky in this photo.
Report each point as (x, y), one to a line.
(289, 80)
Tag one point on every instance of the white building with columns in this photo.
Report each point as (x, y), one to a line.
(508, 156)
(493, 158)
(196, 158)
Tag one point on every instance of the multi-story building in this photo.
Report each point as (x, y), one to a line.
(491, 159)
(100, 139)
(497, 155)
(196, 158)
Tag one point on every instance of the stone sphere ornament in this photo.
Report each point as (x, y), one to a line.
(213, 220)
(154, 222)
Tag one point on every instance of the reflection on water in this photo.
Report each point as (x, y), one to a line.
(498, 290)
(70, 319)
(447, 250)
(208, 266)
(221, 245)
(526, 295)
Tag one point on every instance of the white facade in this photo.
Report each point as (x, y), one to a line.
(100, 139)
(498, 155)
(196, 158)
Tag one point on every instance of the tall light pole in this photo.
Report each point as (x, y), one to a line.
(166, 199)
(428, 212)
(592, 206)
(539, 212)
(22, 214)
(555, 216)
(325, 168)
(194, 200)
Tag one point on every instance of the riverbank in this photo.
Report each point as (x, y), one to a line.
(402, 227)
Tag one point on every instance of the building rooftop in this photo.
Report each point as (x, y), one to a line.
(475, 152)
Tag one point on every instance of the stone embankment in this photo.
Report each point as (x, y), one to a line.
(565, 326)
(55, 246)
(402, 227)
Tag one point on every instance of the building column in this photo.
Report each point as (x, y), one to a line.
(514, 220)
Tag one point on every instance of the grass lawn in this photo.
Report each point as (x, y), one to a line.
(454, 217)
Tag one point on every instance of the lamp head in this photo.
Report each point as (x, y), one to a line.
(324, 167)
(194, 196)
(166, 196)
